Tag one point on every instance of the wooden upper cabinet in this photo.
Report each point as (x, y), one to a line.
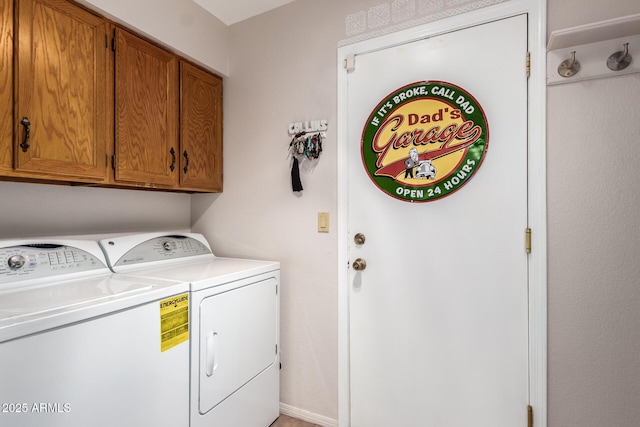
(200, 129)
(60, 92)
(6, 86)
(146, 113)
(80, 96)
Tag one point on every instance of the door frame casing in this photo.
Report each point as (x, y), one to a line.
(536, 203)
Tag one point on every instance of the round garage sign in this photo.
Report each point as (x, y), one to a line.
(424, 141)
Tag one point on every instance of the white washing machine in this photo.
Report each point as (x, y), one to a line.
(81, 346)
(234, 323)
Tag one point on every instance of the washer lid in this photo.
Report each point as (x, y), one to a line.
(28, 310)
(203, 274)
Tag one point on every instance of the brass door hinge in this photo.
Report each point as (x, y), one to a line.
(528, 66)
(530, 416)
(527, 240)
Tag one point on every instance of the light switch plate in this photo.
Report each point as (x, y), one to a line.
(323, 222)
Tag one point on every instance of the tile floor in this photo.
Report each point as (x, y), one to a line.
(286, 421)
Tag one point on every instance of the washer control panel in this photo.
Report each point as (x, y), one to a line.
(161, 249)
(34, 261)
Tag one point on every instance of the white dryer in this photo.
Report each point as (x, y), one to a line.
(234, 323)
(81, 346)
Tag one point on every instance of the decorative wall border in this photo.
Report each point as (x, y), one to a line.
(397, 15)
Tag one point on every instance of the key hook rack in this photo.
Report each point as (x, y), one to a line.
(616, 62)
(601, 49)
(305, 144)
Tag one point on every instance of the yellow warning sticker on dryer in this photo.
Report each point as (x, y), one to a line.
(174, 321)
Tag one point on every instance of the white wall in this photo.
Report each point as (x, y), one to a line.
(594, 232)
(30, 210)
(283, 69)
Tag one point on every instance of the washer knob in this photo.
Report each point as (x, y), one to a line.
(16, 261)
(169, 245)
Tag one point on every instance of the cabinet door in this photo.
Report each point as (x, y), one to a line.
(6, 85)
(61, 91)
(201, 129)
(146, 117)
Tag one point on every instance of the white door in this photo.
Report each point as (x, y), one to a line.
(438, 318)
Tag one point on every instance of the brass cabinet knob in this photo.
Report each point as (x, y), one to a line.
(359, 264)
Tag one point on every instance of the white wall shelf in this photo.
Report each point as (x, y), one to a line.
(593, 44)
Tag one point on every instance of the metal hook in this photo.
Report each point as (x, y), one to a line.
(620, 60)
(569, 67)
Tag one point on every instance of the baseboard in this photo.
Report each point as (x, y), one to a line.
(307, 416)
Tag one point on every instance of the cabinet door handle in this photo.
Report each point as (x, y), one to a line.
(186, 158)
(173, 159)
(27, 133)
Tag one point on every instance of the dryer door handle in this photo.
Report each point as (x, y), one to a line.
(210, 358)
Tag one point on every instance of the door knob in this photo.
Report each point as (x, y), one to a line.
(359, 264)
(359, 239)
